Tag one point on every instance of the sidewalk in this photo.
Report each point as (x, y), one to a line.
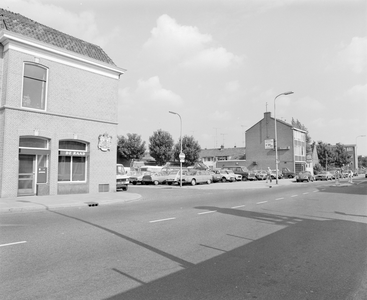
(39, 203)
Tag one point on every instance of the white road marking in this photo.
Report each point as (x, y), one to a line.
(10, 244)
(207, 212)
(305, 193)
(315, 191)
(294, 196)
(161, 220)
(279, 198)
(261, 202)
(238, 206)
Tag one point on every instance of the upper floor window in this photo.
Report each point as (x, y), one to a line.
(34, 86)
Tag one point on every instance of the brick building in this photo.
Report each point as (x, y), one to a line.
(58, 111)
(291, 144)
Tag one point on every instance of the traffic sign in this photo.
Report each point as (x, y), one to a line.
(182, 157)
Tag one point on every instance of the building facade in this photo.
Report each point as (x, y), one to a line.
(58, 112)
(260, 145)
(211, 157)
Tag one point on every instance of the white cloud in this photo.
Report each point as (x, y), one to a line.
(232, 86)
(354, 55)
(220, 116)
(151, 90)
(170, 41)
(357, 94)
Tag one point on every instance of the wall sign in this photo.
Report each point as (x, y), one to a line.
(104, 142)
(269, 144)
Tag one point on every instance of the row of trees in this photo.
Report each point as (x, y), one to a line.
(161, 147)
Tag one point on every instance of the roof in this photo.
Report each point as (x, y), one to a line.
(19, 24)
(217, 152)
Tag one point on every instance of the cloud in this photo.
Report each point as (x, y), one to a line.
(151, 90)
(220, 116)
(185, 45)
(82, 25)
(232, 86)
(354, 55)
(357, 94)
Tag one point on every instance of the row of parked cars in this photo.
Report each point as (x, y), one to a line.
(191, 176)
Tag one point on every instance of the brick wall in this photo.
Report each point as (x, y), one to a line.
(81, 105)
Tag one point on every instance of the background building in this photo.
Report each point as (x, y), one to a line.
(58, 111)
(210, 157)
(260, 153)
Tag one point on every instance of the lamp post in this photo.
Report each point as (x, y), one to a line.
(276, 135)
(356, 154)
(181, 155)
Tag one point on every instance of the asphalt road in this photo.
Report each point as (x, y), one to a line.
(303, 241)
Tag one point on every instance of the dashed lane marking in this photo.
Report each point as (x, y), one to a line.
(305, 193)
(207, 212)
(294, 196)
(261, 202)
(161, 220)
(238, 206)
(11, 244)
(279, 199)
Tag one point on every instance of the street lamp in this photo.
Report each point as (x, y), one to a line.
(356, 154)
(181, 155)
(276, 135)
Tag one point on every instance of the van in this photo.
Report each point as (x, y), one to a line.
(122, 179)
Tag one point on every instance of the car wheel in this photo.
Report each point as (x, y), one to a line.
(156, 182)
(134, 182)
(124, 188)
(169, 183)
(224, 179)
(193, 182)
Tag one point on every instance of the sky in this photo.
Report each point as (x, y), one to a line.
(220, 64)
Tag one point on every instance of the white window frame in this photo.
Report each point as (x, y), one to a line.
(46, 85)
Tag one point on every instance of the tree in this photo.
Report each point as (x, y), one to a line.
(342, 158)
(191, 149)
(160, 147)
(299, 125)
(131, 147)
(362, 161)
(325, 154)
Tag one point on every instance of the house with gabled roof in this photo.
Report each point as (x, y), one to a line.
(260, 145)
(58, 111)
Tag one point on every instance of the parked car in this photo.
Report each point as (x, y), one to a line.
(274, 174)
(197, 176)
(225, 176)
(173, 176)
(261, 174)
(216, 176)
(155, 178)
(238, 177)
(137, 177)
(288, 173)
(305, 176)
(122, 179)
(251, 176)
(324, 175)
(239, 170)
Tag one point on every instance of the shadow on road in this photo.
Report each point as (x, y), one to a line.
(308, 259)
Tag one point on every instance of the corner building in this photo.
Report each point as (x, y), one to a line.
(291, 143)
(58, 112)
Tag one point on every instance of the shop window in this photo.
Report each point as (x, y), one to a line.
(73, 157)
(34, 86)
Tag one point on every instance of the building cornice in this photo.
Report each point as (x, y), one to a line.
(39, 49)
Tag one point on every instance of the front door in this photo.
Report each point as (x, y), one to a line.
(26, 175)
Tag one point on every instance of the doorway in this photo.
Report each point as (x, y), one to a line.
(26, 175)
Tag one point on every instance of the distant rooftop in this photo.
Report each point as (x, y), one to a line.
(19, 24)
